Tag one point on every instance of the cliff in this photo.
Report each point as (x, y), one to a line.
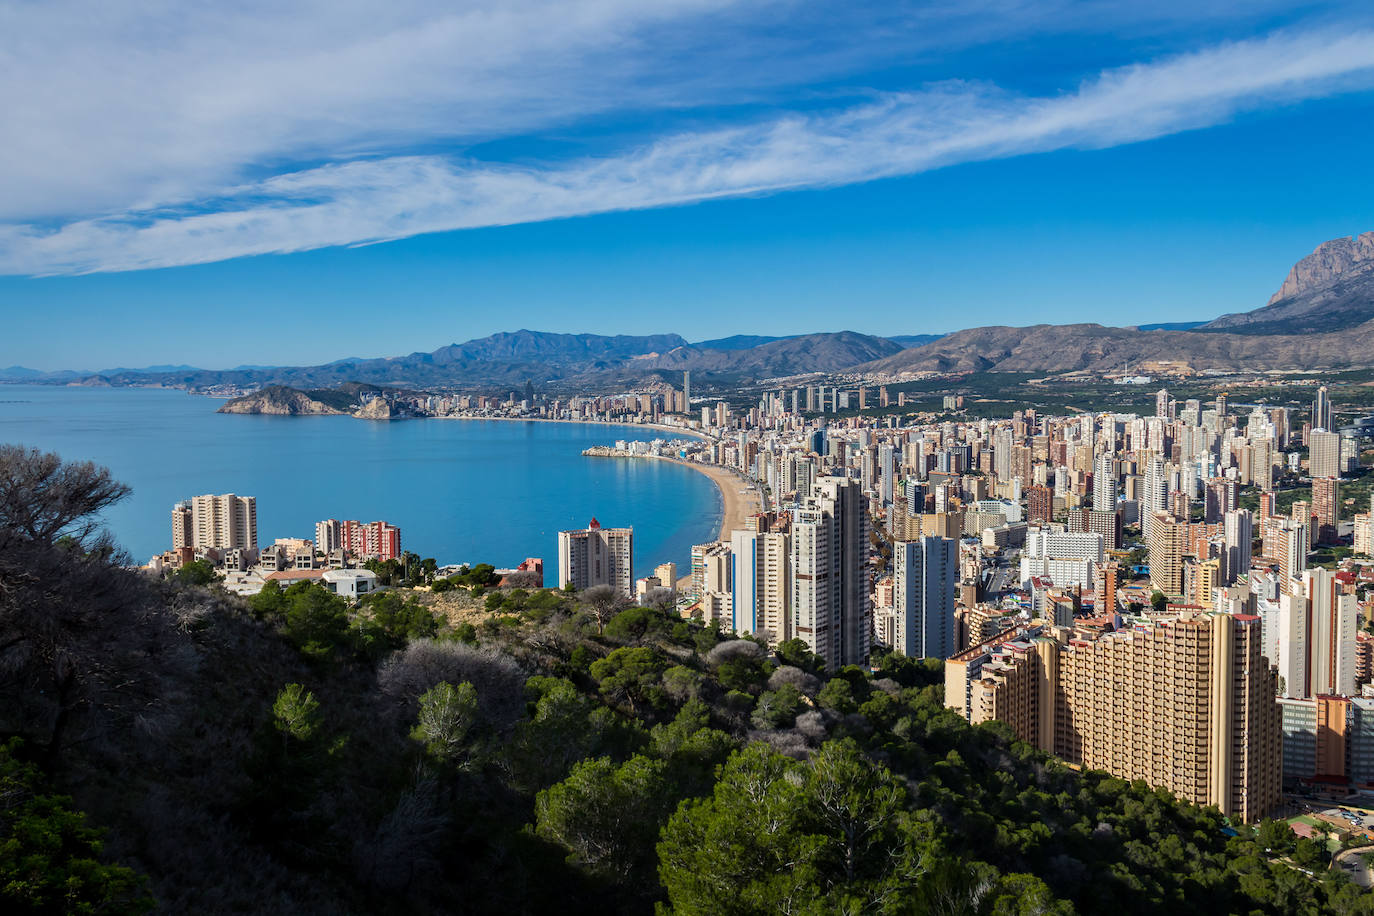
(278, 400)
(378, 409)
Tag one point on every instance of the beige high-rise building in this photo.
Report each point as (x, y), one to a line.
(1166, 543)
(223, 522)
(597, 556)
(1326, 509)
(1186, 703)
(183, 526)
(1324, 453)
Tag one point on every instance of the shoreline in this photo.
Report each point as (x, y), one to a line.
(676, 430)
(735, 506)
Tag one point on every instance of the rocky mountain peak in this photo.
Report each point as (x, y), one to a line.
(1329, 262)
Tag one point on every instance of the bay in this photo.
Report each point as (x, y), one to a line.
(462, 491)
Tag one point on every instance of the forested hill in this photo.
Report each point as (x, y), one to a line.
(473, 749)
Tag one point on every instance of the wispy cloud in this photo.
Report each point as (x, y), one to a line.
(205, 211)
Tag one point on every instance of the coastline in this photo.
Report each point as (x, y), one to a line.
(675, 430)
(736, 507)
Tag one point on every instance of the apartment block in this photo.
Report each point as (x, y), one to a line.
(1185, 703)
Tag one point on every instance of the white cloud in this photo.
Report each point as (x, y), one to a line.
(180, 196)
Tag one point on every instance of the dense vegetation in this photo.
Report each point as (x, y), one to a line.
(293, 753)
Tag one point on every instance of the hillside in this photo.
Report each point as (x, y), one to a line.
(788, 356)
(1065, 348)
(1330, 289)
(278, 400)
(292, 753)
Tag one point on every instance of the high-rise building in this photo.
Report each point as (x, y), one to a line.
(761, 584)
(1162, 403)
(183, 526)
(1039, 504)
(1166, 544)
(362, 540)
(1324, 454)
(329, 536)
(1183, 703)
(1321, 410)
(1317, 633)
(687, 391)
(597, 556)
(1326, 503)
(224, 522)
(1104, 483)
(830, 589)
(1238, 536)
(925, 577)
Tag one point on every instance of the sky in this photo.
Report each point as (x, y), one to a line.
(290, 183)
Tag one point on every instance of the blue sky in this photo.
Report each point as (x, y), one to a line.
(293, 183)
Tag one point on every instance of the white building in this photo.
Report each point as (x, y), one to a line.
(351, 583)
(924, 580)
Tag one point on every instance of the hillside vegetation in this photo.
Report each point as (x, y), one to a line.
(168, 746)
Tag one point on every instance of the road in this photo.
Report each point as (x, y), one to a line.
(1352, 862)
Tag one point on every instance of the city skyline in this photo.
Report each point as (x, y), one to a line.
(764, 169)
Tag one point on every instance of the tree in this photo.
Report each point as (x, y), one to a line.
(604, 602)
(49, 856)
(77, 632)
(607, 816)
(447, 714)
(197, 572)
(631, 676)
(778, 708)
(296, 714)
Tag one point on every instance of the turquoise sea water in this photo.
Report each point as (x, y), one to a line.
(462, 491)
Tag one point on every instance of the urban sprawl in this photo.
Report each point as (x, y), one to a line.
(1123, 591)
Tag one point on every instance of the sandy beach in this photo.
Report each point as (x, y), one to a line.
(738, 505)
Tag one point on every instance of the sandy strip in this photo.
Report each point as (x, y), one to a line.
(738, 505)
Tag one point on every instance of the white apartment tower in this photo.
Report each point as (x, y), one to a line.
(924, 580)
(1317, 626)
(761, 584)
(597, 556)
(1104, 483)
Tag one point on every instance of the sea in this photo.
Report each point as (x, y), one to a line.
(462, 491)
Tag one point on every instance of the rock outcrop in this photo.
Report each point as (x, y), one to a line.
(378, 409)
(278, 400)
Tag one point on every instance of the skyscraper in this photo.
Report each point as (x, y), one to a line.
(761, 584)
(1238, 540)
(1317, 627)
(225, 522)
(1321, 410)
(1185, 703)
(1324, 454)
(1166, 543)
(1326, 502)
(830, 593)
(597, 556)
(1104, 483)
(925, 576)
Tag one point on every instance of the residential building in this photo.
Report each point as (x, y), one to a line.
(597, 556)
(830, 590)
(222, 522)
(925, 577)
(1184, 703)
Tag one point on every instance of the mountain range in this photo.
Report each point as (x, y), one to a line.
(1321, 317)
